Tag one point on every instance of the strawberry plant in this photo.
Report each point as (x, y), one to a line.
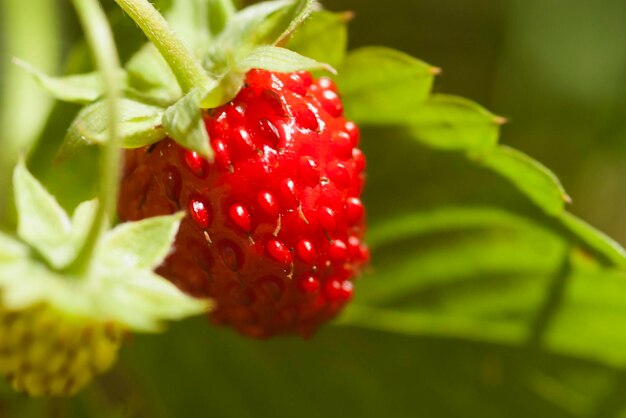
(349, 242)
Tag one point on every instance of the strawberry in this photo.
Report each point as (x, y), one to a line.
(274, 232)
(45, 353)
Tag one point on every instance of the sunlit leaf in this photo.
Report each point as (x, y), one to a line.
(534, 179)
(383, 86)
(452, 123)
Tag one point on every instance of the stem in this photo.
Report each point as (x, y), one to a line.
(24, 106)
(228, 8)
(186, 67)
(100, 39)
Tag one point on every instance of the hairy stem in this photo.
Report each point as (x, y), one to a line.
(186, 67)
(100, 39)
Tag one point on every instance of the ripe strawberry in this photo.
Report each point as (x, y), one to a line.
(275, 226)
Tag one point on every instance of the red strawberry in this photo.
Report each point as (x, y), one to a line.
(275, 226)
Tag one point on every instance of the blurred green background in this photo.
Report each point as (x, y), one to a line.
(497, 317)
(555, 68)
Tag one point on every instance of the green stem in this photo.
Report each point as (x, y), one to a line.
(24, 106)
(100, 39)
(186, 67)
(227, 7)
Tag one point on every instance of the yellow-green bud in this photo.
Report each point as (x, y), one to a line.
(45, 353)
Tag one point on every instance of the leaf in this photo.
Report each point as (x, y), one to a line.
(42, 222)
(83, 88)
(531, 177)
(452, 123)
(273, 58)
(183, 122)
(323, 37)
(442, 219)
(596, 240)
(140, 125)
(366, 372)
(139, 245)
(383, 86)
(461, 255)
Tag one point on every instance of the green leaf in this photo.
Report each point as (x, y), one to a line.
(42, 222)
(140, 125)
(183, 122)
(83, 88)
(139, 245)
(596, 240)
(452, 123)
(150, 77)
(323, 37)
(273, 58)
(368, 373)
(383, 86)
(531, 177)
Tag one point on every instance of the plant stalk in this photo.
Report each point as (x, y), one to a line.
(101, 42)
(186, 67)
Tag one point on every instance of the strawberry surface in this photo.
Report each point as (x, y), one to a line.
(274, 232)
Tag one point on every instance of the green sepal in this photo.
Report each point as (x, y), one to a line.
(183, 122)
(119, 285)
(10, 248)
(264, 23)
(42, 222)
(278, 59)
(381, 86)
(323, 37)
(141, 125)
(143, 300)
(140, 245)
(81, 88)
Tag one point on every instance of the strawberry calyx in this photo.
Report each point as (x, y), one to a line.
(172, 79)
(90, 310)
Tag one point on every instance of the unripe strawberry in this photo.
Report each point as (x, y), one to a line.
(275, 224)
(45, 353)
